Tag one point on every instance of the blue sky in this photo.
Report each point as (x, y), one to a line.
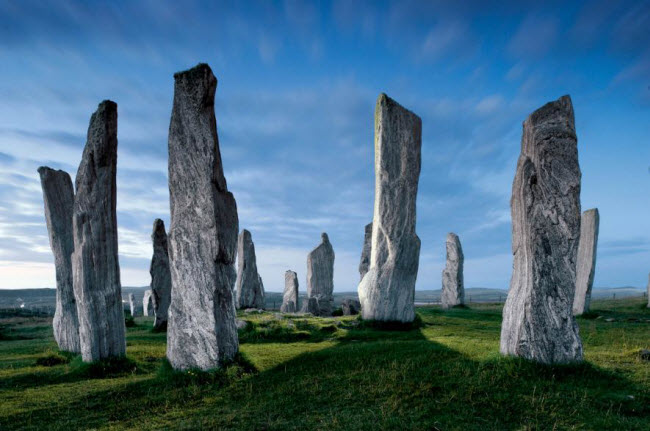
(295, 101)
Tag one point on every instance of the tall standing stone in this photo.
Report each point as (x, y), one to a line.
(133, 308)
(366, 250)
(538, 322)
(250, 290)
(161, 278)
(453, 289)
(648, 291)
(320, 276)
(95, 265)
(201, 330)
(586, 266)
(387, 291)
(147, 304)
(58, 196)
(290, 294)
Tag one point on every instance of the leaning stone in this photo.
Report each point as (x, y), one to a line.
(310, 306)
(320, 276)
(366, 250)
(95, 264)
(538, 322)
(250, 290)
(58, 196)
(453, 289)
(350, 307)
(161, 278)
(132, 306)
(201, 330)
(290, 294)
(148, 308)
(586, 266)
(387, 291)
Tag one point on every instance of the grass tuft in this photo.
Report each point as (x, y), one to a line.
(109, 367)
(53, 358)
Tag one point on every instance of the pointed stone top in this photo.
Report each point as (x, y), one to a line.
(158, 228)
(246, 234)
(324, 237)
(383, 101)
(452, 236)
(550, 113)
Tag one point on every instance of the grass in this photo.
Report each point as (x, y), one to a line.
(337, 373)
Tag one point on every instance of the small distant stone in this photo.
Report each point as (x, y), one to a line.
(278, 316)
(644, 354)
(610, 320)
(630, 397)
(250, 310)
(241, 324)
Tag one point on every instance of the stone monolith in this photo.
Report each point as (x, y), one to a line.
(387, 290)
(58, 196)
(453, 288)
(310, 305)
(201, 330)
(586, 265)
(320, 276)
(350, 307)
(648, 291)
(95, 264)
(365, 251)
(148, 308)
(133, 308)
(161, 278)
(290, 294)
(250, 290)
(538, 322)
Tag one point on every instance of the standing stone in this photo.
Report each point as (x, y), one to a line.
(250, 290)
(320, 276)
(310, 305)
(365, 252)
(201, 330)
(538, 322)
(132, 305)
(290, 294)
(586, 266)
(147, 304)
(95, 265)
(453, 289)
(350, 307)
(387, 291)
(648, 291)
(58, 197)
(161, 278)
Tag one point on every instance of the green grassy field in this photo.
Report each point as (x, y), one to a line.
(318, 373)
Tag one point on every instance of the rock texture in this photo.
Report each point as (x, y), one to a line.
(58, 196)
(538, 322)
(201, 330)
(648, 291)
(320, 276)
(586, 265)
(161, 278)
(133, 308)
(148, 308)
(453, 288)
(365, 252)
(250, 290)
(95, 265)
(387, 291)
(350, 307)
(310, 305)
(290, 294)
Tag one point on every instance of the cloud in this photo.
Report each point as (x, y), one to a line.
(535, 37)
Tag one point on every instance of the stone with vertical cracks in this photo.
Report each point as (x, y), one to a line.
(365, 251)
(201, 330)
(58, 196)
(586, 266)
(453, 289)
(387, 291)
(147, 304)
(161, 279)
(95, 264)
(320, 276)
(250, 290)
(290, 294)
(538, 322)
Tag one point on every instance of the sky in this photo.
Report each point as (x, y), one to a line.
(297, 86)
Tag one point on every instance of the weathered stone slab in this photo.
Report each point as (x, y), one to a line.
(586, 266)
(161, 278)
(453, 288)
(201, 330)
(290, 294)
(250, 290)
(95, 264)
(320, 276)
(133, 308)
(365, 252)
(310, 305)
(350, 307)
(538, 322)
(58, 196)
(148, 308)
(387, 291)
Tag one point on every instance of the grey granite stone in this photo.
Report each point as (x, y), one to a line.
(350, 307)
(290, 294)
(148, 308)
(250, 289)
(320, 276)
(310, 305)
(586, 265)
(366, 250)
(453, 288)
(133, 308)
(161, 278)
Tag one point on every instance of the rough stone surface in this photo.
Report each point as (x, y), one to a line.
(58, 196)
(350, 307)
(201, 330)
(290, 294)
(95, 265)
(387, 291)
(365, 252)
(133, 308)
(453, 288)
(320, 276)
(586, 265)
(648, 291)
(310, 305)
(148, 308)
(161, 278)
(538, 322)
(250, 290)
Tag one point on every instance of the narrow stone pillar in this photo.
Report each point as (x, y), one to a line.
(453, 289)
(586, 266)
